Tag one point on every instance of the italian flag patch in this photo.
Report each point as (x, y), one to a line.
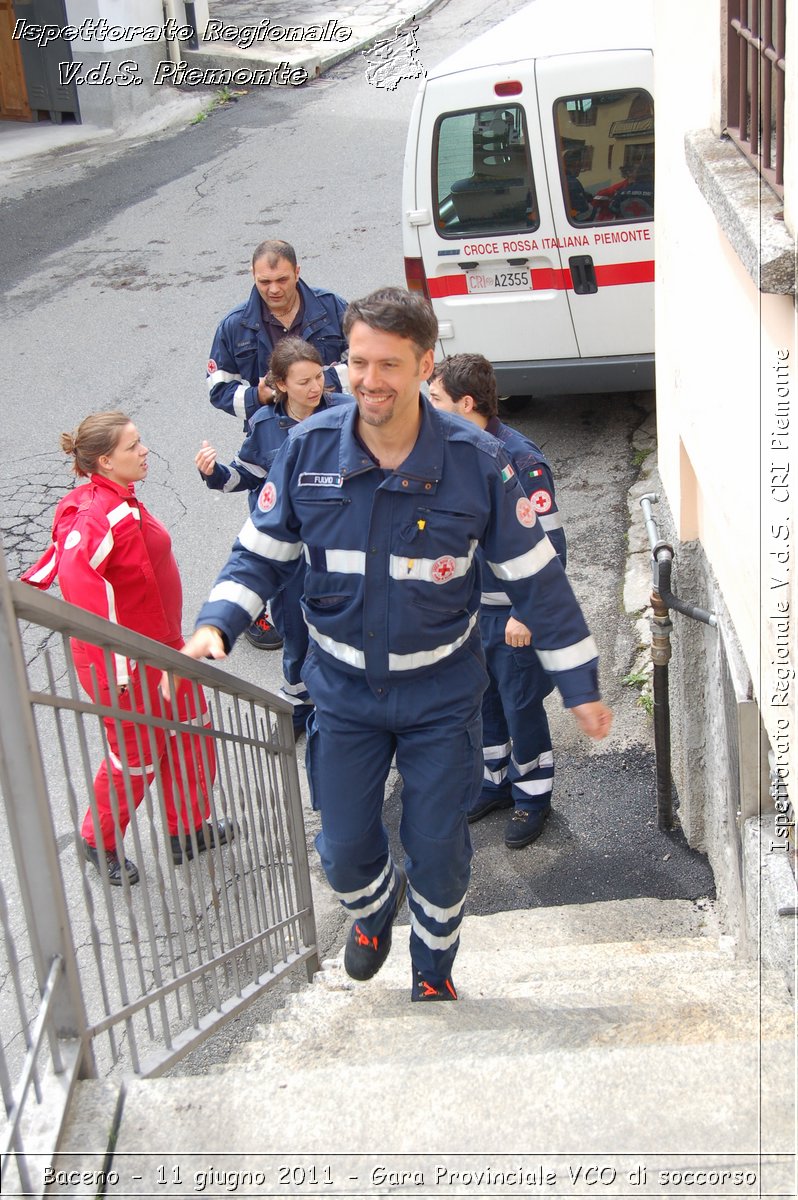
(507, 473)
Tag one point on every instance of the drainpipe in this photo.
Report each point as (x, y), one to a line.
(662, 600)
(172, 44)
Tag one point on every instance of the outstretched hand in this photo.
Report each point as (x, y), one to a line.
(205, 458)
(593, 718)
(205, 642)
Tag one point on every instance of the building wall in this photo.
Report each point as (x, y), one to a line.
(122, 101)
(724, 352)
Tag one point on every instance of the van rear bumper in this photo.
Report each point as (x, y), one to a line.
(560, 376)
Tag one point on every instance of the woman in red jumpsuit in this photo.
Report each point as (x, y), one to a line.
(113, 558)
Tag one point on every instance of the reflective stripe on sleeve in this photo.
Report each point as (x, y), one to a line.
(551, 521)
(222, 377)
(495, 599)
(266, 546)
(239, 400)
(253, 468)
(41, 574)
(233, 481)
(527, 564)
(569, 656)
(236, 593)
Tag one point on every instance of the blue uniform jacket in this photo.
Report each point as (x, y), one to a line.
(535, 477)
(392, 586)
(268, 429)
(242, 348)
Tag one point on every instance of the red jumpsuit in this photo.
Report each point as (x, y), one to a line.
(113, 558)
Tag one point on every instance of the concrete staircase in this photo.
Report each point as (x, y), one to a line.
(620, 1030)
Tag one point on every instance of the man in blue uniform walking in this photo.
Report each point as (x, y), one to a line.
(518, 756)
(280, 305)
(388, 500)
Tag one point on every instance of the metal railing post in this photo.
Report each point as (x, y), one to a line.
(33, 838)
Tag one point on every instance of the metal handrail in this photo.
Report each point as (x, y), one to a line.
(167, 961)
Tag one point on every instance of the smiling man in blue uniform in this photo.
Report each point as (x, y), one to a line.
(388, 501)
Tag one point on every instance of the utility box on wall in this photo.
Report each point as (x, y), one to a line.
(41, 64)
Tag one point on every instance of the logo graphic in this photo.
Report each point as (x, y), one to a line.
(541, 501)
(268, 497)
(72, 539)
(443, 569)
(211, 366)
(525, 511)
(390, 60)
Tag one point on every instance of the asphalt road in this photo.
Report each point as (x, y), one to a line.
(117, 267)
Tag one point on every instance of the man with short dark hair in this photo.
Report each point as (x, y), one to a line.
(387, 500)
(516, 742)
(279, 304)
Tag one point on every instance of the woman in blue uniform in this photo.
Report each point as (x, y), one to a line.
(297, 376)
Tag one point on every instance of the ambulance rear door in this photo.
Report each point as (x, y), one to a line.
(597, 129)
(483, 218)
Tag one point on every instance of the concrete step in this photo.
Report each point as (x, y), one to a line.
(567, 992)
(717, 1006)
(636, 1099)
(626, 1026)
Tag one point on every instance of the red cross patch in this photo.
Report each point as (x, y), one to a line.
(267, 498)
(541, 500)
(211, 366)
(443, 569)
(525, 511)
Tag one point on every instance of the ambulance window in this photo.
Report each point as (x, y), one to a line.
(606, 145)
(482, 176)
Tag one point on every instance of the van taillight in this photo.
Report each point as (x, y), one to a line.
(511, 87)
(416, 279)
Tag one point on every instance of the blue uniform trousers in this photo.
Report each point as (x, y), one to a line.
(432, 724)
(518, 759)
(287, 618)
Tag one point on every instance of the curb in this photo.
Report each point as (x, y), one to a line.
(188, 100)
(230, 58)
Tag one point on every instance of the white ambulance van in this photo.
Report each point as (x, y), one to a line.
(528, 198)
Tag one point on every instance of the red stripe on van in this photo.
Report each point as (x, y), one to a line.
(550, 279)
(447, 285)
(554, 279)
(615, 274)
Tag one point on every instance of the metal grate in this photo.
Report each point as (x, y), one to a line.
(755, 77)
(128, 979)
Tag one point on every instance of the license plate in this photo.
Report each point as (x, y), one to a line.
(499, 281)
